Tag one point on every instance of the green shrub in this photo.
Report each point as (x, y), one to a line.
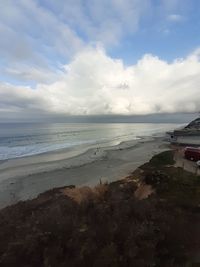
(162, 159)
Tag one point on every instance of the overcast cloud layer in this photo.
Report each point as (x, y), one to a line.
(55, 59)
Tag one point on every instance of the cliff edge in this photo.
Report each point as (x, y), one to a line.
(150, 218)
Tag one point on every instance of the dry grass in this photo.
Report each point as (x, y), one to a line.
(143, 191)
(85, 193)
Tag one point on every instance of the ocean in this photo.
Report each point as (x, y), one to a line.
(26, 139)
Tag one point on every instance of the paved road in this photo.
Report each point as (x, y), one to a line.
(187, 165)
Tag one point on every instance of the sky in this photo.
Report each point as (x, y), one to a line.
(98, 57)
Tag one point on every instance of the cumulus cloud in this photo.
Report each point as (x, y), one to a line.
(51, 46)
(175, 18)
(94, 83)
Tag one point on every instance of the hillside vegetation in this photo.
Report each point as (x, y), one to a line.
(108, 226)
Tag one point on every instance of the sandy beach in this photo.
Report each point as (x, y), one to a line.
(25, 178)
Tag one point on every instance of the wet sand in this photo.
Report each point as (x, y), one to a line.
(25, 178)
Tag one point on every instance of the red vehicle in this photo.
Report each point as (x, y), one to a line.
(192, 153)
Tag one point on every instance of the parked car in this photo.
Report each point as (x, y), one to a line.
(192, 153)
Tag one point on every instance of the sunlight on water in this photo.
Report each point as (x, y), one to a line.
(19, 140)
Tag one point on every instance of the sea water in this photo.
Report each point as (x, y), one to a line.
(26, 139)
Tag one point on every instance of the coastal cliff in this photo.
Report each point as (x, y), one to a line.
(150, 218)
(195, 124)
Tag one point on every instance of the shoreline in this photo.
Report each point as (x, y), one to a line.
(64, 157)
(25, 178)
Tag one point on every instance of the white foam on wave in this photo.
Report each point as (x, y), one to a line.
(23, 151)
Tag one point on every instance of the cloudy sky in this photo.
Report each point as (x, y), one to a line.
(98, 57)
